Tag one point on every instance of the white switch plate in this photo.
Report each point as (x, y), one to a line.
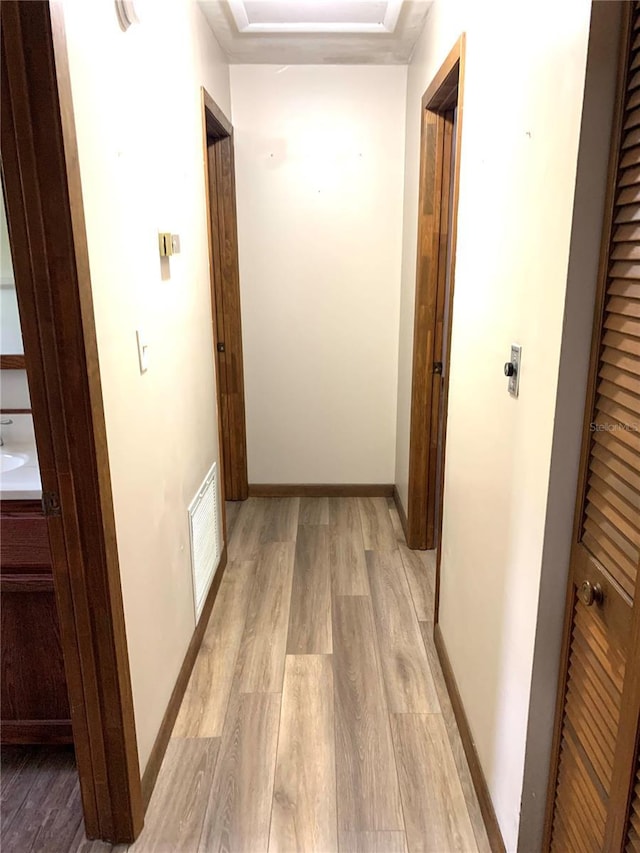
(143, 350)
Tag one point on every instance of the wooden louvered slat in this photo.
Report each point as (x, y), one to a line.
(621, 424)
(634, 83)
(615, 455)
(626, 252)
(624, 306)
(569, 835)
(614, 482)
(628, 381)
(632, 119)
(622, 360)
(628, 195)
(607, 689)
(618, 323)
(619, 519)
(623, 269)
(635, 64)
(595, 543)
(630, 213)
(616, 545)
(593, 736)
(576, 822)
(631, 176)
(633, 828)
(599, 647)
(593, 795)
(624, 287)
(580, 681)
(632, 138)
(624, 343)
(587, 749)
(632, 155)
(587, 684)
(620, 396)
(627, 233)
(629, 515)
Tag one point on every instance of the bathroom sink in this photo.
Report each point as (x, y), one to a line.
(11, 461)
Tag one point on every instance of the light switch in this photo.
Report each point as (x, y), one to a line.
(143, 350)
(512, 370)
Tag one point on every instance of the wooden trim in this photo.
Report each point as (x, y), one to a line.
(15, 411)
(46, 225)
(20, 507)
(12, 362)
(156, 757)
(219, 171)
(208, 108)
(31, 581)
(437, 173)
(401, 513)
(217, 125)
(440, 94)
(321, 490)
(36, 732)
(475, 768)
(598, 318)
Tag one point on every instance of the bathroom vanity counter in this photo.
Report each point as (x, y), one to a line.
(19, 472)
(34, 705)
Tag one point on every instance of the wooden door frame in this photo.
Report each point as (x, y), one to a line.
(439, 181)
(43, 194)
(222, 229)
(628, 725)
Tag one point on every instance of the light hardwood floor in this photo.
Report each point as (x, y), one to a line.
(316, 718)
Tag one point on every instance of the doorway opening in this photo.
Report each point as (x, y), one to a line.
(225, 297)
(437, 221)
(75, 520)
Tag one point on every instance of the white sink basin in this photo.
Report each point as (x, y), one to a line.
(11, 461)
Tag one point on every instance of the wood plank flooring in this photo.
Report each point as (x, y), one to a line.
(316, 718)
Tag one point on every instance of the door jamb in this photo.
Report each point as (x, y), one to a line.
(443, 94)
(225, 297)
(46, 220)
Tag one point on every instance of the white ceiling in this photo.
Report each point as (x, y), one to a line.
(309, 32)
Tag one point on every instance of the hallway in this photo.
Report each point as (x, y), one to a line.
(330, 727)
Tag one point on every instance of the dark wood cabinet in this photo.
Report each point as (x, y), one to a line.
(33, 691)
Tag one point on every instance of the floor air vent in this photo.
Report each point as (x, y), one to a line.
(204, 529)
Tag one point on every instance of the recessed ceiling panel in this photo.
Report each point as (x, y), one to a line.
(307, 32)
(315, 16)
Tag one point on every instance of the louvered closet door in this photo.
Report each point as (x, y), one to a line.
(595, 759)
(632, 840)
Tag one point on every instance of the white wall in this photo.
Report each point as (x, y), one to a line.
(10, 332)
(319, 176)
(14, 390)
(524, 84)
(138, 117)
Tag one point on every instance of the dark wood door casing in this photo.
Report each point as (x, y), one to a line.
(437, 228)
(225, 297)
(43, 193)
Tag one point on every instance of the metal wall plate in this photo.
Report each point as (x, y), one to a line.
(514, 378)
